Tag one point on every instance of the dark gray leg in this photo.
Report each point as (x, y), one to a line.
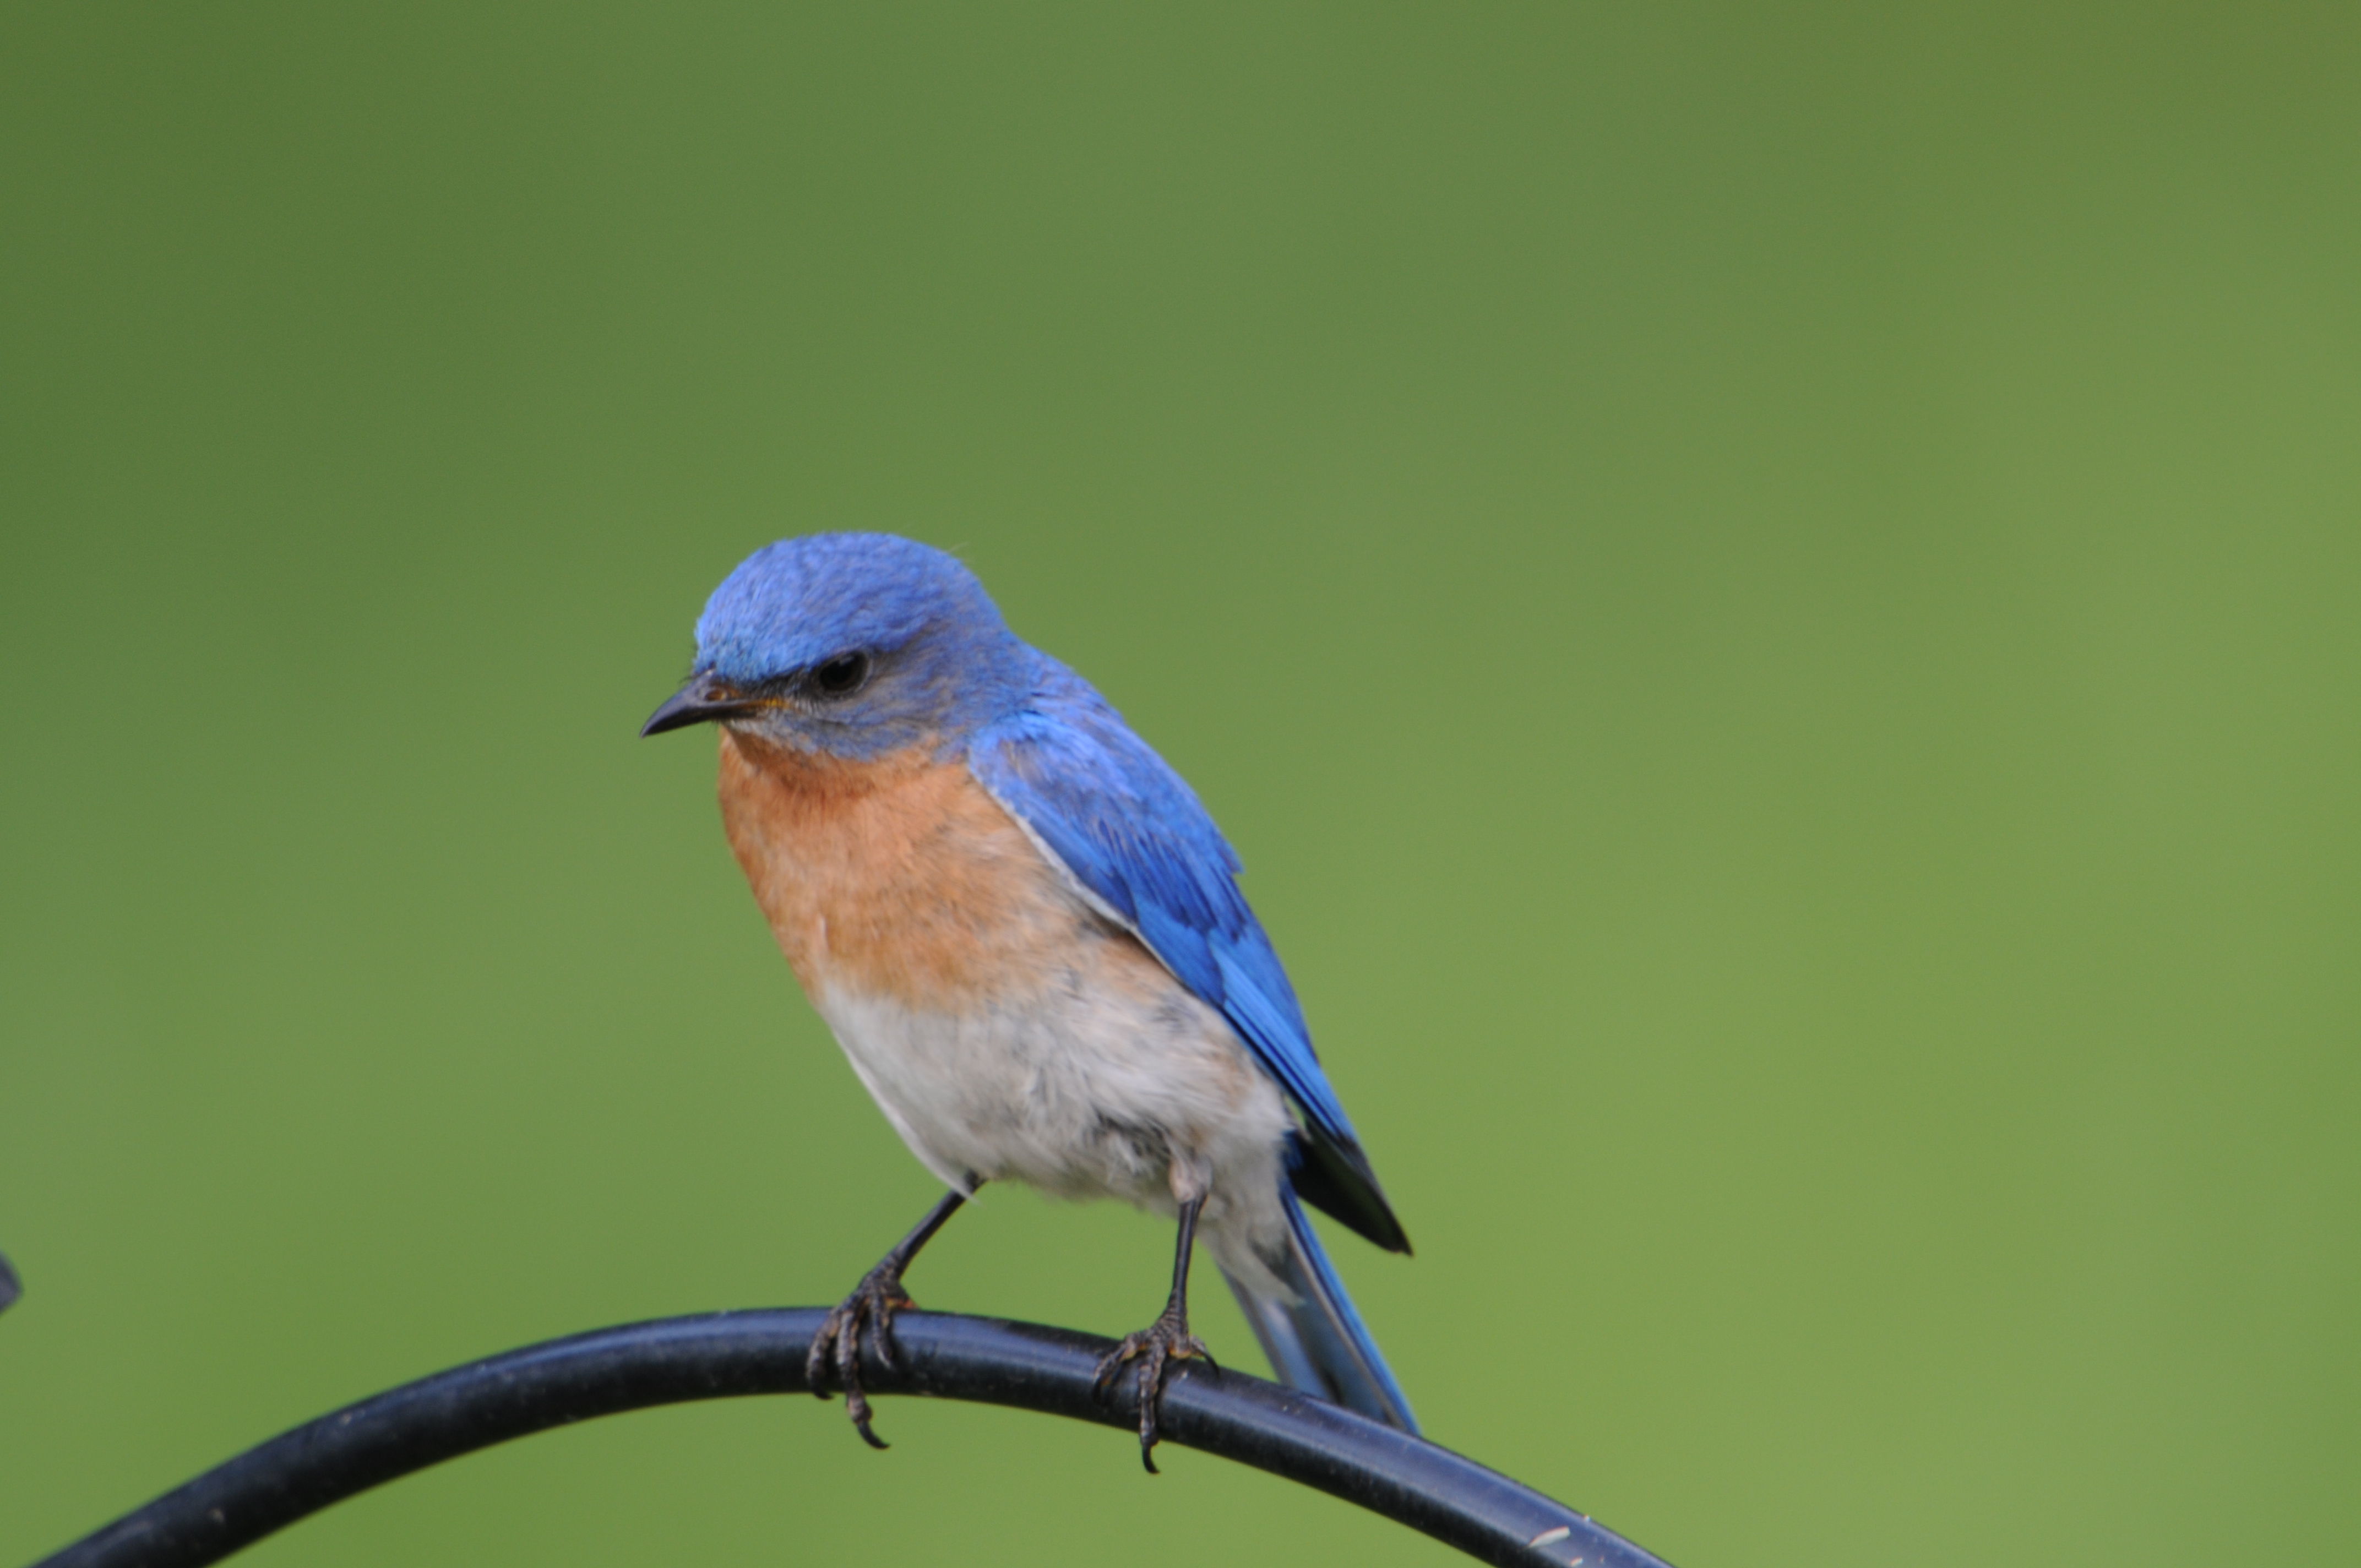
(872, 1304)
(1162, 1342)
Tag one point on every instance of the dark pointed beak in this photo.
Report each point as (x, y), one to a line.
(704, 699)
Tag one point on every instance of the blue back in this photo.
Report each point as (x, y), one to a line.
(1133, 834)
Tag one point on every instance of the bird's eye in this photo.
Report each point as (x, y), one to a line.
(841, 676)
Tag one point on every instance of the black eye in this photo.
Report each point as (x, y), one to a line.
(841, 676)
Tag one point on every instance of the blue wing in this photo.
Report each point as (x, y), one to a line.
(1133, 834)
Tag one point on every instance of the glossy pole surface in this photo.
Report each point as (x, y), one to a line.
(728, 1355)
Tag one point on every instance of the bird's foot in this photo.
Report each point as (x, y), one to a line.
(1154, 1348)
(871, 1307)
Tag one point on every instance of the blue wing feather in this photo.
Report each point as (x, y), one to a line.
(1133, 833)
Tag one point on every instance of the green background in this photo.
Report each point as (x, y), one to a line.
(1767, 592)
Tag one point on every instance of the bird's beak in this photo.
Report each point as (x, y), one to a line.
(705, 698)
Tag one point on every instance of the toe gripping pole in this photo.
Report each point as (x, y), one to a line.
(726, 1355)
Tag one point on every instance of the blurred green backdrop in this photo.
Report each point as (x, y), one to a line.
(1768, 593)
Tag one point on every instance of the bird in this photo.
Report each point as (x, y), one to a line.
(1027, 935)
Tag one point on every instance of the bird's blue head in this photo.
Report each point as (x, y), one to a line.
(851, 644)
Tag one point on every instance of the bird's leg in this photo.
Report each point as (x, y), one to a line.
(1158, 1344)
(872, 1304)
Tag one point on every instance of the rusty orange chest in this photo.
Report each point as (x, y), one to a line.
(895, 878)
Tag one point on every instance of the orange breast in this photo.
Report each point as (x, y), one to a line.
(897, 878)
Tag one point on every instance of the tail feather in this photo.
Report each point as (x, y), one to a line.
(1317, 1342)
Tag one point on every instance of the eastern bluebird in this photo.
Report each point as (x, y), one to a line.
(1027, 935)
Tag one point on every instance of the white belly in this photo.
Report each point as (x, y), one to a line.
(1084, 1091)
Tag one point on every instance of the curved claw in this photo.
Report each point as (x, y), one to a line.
(1109, 1369)
(871, 1307)
(1155, 1347)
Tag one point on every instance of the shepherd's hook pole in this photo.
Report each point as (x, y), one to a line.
(726, 1355)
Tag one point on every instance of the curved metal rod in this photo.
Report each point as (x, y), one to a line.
(723, 1354)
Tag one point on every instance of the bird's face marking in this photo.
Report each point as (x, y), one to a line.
(851, 644)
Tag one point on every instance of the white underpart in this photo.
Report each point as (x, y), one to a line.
(1085, 1090)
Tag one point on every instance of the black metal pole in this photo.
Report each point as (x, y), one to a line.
(725, 1354)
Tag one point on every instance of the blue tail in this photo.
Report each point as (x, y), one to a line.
(1317, 1342)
